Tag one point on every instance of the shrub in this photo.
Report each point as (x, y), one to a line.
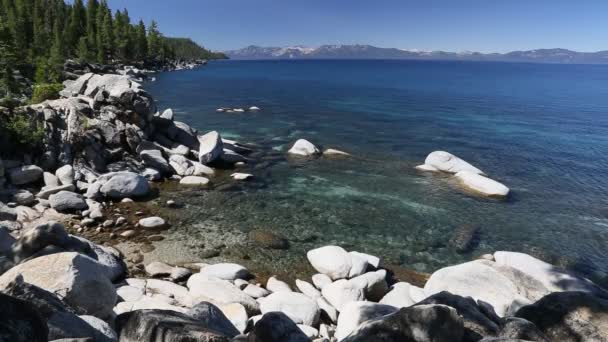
(43, 92)
(21, 134)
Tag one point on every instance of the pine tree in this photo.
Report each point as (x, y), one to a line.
(77, 24)
(8, 58)
(154, 41)
(141, 42)
(91, 31)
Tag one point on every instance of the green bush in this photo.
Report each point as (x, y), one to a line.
(21, 133)
(43, 92)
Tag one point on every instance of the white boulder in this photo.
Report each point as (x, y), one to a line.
(333, 261)
(304, 148)
(211, 147)
(342, 292)
(300, 308)
(447, 162)
(482, 185)
(153, 222)
(355, 313)
(194, 181)
(225, 271)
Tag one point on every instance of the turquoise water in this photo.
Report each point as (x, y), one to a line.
(539, 129)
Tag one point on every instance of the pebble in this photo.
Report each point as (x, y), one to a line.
(128, 233)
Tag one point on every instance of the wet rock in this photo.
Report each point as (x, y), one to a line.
(268, 239)
(276, 327)
(231, 157)
(334, 152)
(164, 326)
(300, 308)
(438, 323)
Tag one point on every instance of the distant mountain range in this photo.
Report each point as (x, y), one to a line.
(373, 52)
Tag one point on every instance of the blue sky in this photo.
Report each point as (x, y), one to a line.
(452, 25)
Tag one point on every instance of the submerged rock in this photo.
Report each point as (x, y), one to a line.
(268, 239)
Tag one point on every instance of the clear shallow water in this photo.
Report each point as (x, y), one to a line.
(540, 129)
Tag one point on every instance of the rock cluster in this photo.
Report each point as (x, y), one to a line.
(70, 292)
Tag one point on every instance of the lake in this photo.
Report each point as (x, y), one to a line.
(540, 129)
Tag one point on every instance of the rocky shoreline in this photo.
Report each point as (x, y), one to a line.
(108, 149)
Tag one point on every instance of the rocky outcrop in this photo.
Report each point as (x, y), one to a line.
(81, 282)
(164, 326)
(569, 316)
(20, 321)
(438, 323)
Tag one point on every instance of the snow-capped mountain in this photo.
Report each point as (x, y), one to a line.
(373, 52)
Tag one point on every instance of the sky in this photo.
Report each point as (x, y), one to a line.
(449, 25)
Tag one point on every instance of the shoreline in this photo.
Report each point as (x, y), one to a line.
(118, 144)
